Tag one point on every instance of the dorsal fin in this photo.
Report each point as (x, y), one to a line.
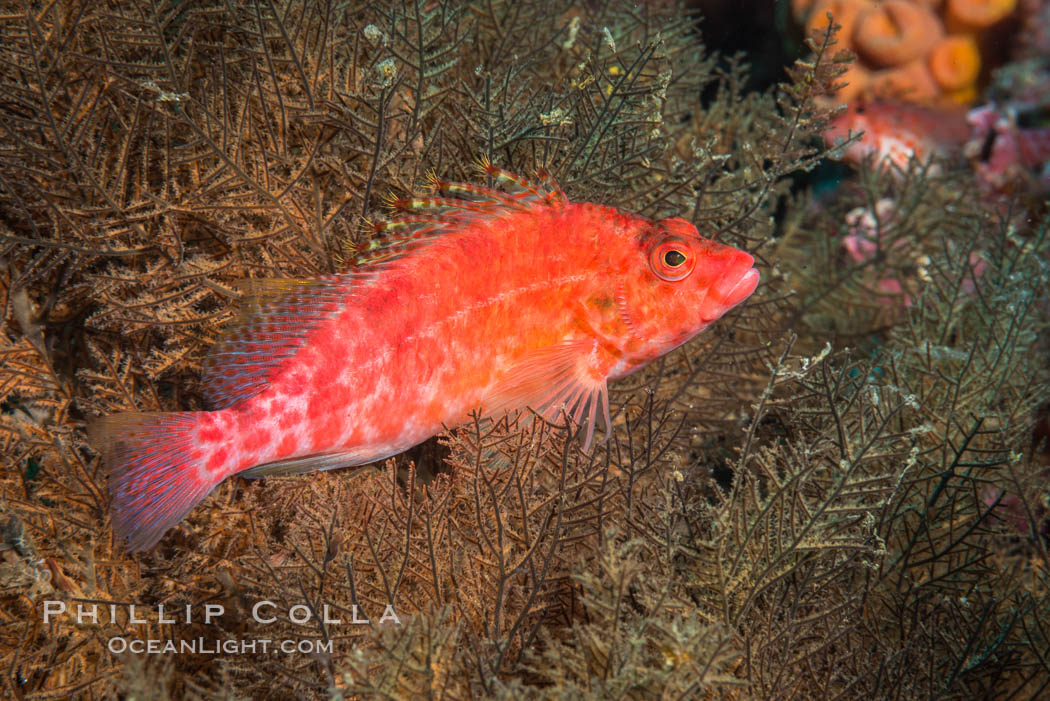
(276, 317)
(421, 220)
(397, 238)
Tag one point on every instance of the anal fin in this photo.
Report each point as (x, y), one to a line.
(313, 463)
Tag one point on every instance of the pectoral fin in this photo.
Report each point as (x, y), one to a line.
(556, 383)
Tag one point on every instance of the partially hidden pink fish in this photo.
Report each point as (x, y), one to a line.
(1004, 153)
(490, 301)
(893, 133)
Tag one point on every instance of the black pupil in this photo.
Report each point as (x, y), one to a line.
(674, 258)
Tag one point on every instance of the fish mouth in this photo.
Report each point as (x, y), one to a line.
(742, 289)
(728, 294)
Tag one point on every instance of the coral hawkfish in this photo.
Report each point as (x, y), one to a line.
(893, 133)
(474, 299)
(896, 132)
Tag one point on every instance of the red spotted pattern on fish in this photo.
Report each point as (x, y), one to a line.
(481, 299)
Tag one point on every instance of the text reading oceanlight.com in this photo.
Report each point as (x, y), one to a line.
(203, 646)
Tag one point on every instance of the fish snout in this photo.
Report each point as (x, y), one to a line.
(737, 284)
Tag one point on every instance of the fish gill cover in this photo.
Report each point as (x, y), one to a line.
(834, 492)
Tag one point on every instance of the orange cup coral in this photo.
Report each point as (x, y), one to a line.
(896, 32)
(854, 82)
(929, 51)
(955, 62)
(911, 82)
(843, 12)
(978, 14)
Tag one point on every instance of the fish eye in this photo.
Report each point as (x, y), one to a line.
(672, 259)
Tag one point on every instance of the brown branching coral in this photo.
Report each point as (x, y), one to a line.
(768, 504)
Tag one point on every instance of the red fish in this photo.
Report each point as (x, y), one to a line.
(1001, 153)
(896, 132)
(489, 301)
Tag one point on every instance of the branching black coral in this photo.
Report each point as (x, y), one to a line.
(773, 514)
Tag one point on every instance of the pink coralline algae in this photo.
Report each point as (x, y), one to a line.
(867, 235)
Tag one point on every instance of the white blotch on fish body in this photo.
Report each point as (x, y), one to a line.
(896, 151)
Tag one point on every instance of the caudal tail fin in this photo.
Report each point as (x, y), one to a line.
(155, 475)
